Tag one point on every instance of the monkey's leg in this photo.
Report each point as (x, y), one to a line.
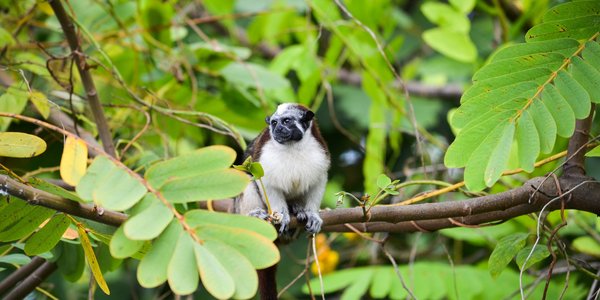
(308, 211)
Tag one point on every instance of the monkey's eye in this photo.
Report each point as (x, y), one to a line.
(273, 123)
(286, 121)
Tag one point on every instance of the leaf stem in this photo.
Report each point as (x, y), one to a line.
(269, 210)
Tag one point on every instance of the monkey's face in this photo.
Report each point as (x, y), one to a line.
(289, 123)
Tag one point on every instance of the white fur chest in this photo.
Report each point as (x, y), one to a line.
(295, 167)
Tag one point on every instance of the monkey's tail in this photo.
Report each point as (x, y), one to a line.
(267, 286)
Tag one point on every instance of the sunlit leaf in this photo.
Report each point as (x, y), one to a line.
(199, 217)
(152, 270)
(259, 250)
(74, 160)
(203, 160)
(234, 263)
(18, 144)
(182, 271)
(149, 223)
(215, 277)
(454, 44)
(207, 186)
(122, 247)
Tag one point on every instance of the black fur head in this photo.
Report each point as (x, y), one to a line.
(290, 122)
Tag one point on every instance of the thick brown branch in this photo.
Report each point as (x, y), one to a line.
(18, 275)
(38, 197)
(576, 154)
(32, 281)
(86, 78)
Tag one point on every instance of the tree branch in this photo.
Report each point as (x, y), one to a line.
(86, 78)
(576, 156)
(18, 275)
(38, 197)
(32, 281)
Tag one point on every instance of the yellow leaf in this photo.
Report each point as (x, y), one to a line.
(45, 7)
(74, 160)
(91, 258)
(18, 144)
(41, 103)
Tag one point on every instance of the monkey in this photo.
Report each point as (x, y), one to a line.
(295, 159)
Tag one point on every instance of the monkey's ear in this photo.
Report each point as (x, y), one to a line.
(308, 115)
(268, 120)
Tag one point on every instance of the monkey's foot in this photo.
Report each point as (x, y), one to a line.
(259, 213)
(312, 219)
(284, 223)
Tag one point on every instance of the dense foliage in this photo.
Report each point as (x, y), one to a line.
(120, 122)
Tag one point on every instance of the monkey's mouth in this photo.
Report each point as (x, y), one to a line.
(283, 138)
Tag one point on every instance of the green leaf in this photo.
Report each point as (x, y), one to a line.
(249, 75)
(381, 283)
(26, 224)
(118, 190)
(149, 223)
(446, 16)
(545, 126)
(577, 20)
(456, 45)
(71, 261)
(110, 186)
(588, 76)
(6, 38)
(182, 272)
(201, 161)
(48, 236)
(465, 6)
(259, 250)
(374, 161)
(41, 103)
(529, 107)
(123, 247)
(199, 217)
(31, 62)
(338, 280)
(505, 251)
(18, 144)
(587, 245)
(594, 152)
(383, 181)
(13, 212)
(53, 189)
(257, 170)
(237, 266)
(152, 270)
(98, 169)
(561, 111)
(14, 102)
(573, 93)
(15, 258)
(539, 254)
(215, 277)
(528, 141)
(207, 186)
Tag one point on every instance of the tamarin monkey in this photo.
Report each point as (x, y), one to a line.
(295, 160)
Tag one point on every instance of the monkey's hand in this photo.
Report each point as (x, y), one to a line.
(259, 213)
(312, 219)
